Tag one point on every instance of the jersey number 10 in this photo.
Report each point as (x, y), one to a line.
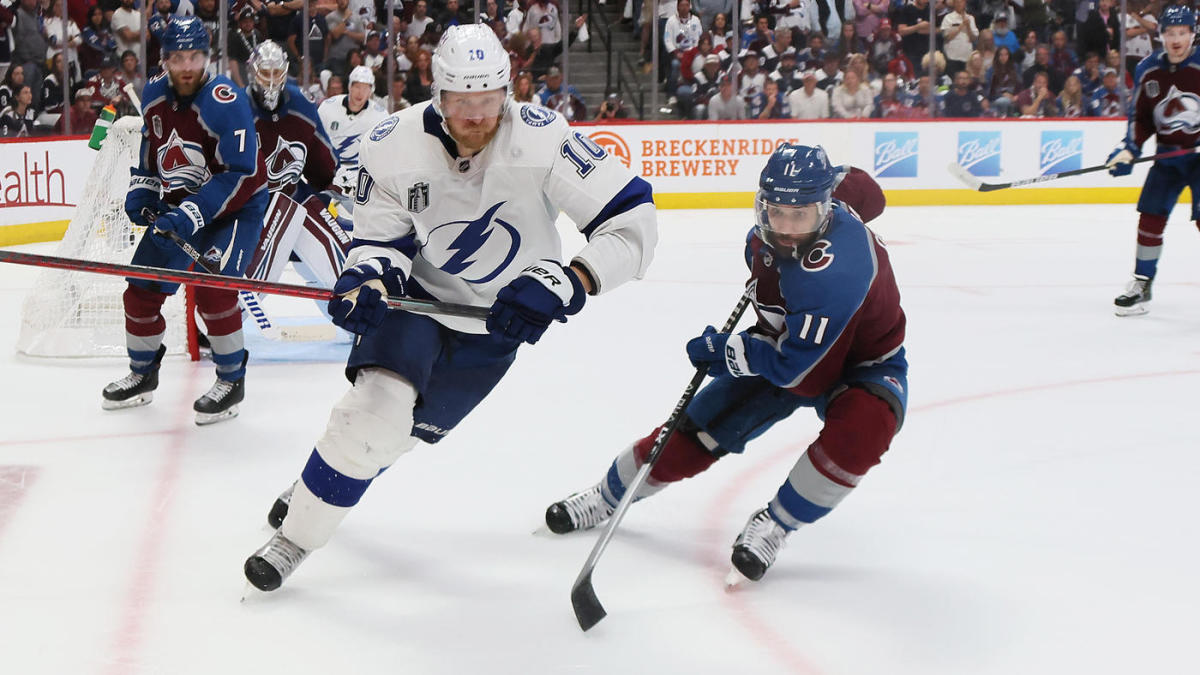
(583, 161)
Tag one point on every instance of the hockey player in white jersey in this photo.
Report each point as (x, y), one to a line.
(456, 200)
(347, 118)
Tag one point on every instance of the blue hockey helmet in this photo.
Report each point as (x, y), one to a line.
(185, 32)
(1177, 15)
(795, 198)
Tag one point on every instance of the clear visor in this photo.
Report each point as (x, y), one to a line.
(473, 105)
(789, 225)
(187, 59)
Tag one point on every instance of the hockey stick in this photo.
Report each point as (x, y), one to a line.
(588, 609)
(235, 283)
(960, 172)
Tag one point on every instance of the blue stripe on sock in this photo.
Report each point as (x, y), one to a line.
(1145, 268)
(615, 486)
(798, 507)
(230, 367)
(141, 362)
(330, 485)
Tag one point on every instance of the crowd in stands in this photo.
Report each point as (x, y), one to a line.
(803, 59)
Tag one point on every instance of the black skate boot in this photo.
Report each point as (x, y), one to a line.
(1136, 298)
(135, 389)
(279, 509)
(274, 562)
(755, 548)
(581, 511)
(220, 402)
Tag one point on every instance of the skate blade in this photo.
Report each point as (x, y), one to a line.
(131, 402)
(204, 419)
(734, 579)
(1136, 310)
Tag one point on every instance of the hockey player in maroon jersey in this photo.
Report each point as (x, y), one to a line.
(830, 336)
(200, 178)
(1166, 105)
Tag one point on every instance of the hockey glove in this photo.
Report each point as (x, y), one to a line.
(543, 292)
(719, 353)
(143, 200)
(1120, 161)
(358, 303)
(184, 220)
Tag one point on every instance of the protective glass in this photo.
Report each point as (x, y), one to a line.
(473, 105)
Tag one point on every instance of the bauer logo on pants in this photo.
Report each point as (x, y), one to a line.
(1061, 151)
(896, 154)
(979, 152)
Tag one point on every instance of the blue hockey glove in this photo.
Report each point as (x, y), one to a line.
(1120, 161)
(358, 304)
(143, 199)
(543, 292)
(719, 353)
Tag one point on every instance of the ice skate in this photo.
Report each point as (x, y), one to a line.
(135, 389)
(279, 509)
(581, 511)
(756, 547)
(1136, 298)
(220, 402)
(274, 562)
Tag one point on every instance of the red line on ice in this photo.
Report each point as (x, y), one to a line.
(15, 482)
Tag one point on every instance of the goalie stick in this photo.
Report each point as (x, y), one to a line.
(960, 172)
(236, 283)
(588, 610)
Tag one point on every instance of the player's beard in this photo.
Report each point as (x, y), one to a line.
(188, 87)
(472, 137)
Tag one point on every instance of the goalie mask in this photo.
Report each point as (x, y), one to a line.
(795, 198)
(267, 71)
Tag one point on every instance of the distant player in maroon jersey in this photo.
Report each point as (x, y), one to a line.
(830, 336)
(200, 179)
(1166, 105)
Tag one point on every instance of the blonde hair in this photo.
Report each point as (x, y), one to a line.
(939, 59)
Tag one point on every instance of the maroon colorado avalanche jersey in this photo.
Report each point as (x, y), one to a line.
(294, 143)
(1166, 102)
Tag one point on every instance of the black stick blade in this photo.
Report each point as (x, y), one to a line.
(588, 609)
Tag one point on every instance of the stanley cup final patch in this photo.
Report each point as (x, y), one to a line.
(418, 197)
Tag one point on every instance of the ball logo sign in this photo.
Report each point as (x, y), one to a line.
(1061, 151)
(613, 145)
(896, 154)
(979, 152)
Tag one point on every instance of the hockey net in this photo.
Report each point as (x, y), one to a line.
(77, 314)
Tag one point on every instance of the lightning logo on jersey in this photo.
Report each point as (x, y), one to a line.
(1178, 111)
(182, 164)
(475, 250)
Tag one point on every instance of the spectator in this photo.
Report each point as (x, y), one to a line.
(681, 33)
(1038, 100)
(17, 119)
(546, 55)
(985, 46)
(346, 32)
(523, 87)
(692, 60)
(242, 44)
(812, 56)
(940, 81)
(727, 105)
(542, 14)
(868, 14)
(912, 24)
(126, 27)
(83, 118)
(786, 75)
(883, 46)
(420, 79)
(848, 42)
(1106, 101)
(554, 95)
(6, 22)
(1101, 31)
(612, 108)
(52, 93)
(1026, 57)
(516, 18)
(14, 79)
(1003, 83)
(1042, 65)
(372, 56)
(1035, 16)
(98, 42)
(52, 27)
(130, 72)
(365, 11)
(809, 102)
(851, 99)
(701, 88)
(977, 71)
(1001, 35)
(283, 15)
(773, 51)
(108, 86)
(770, 104)
(210, 15)
(1089, 74)
(1072, 102)
(317, 32)
(962, 100)
(1141, 26)
(1062, 59)
(889, 103)
(722, 35)
(751, 80)
(421, 20)
(959, 32)
(29, 45)
(335, 85)
(399, 83)
(406, 58)
(917, 106)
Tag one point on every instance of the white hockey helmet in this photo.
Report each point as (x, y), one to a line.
(362, 74)
(469, 58)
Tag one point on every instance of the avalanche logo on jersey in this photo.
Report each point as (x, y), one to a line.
(1178, 111)
(475, 250)
(182, 165)
(285, 164)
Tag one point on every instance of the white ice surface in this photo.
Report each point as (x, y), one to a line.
(1035, 515)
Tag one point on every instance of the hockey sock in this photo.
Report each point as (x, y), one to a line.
(858, 429)
(144, 326)
(683, 457)
(223, 319)
(1149, 244)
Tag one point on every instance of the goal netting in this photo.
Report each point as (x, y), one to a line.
(81, 314)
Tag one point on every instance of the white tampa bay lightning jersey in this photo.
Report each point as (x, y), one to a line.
(346, 129)
(464, 227)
